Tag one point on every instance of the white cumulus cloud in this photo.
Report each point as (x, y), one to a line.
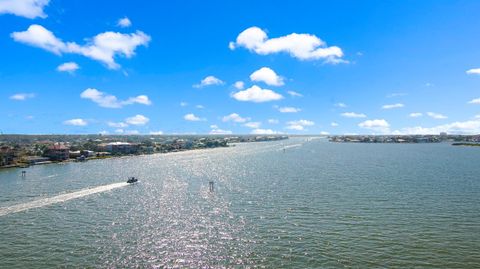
(264, 132)
(30, 9)
(289, 109)
(69, 67)
(273, 121)
(217, 131)
(239, 85)
(268, 76)
(156, 133)
(111, 101)
(300, 46)
(253, 124)
(415, 114)
(209, 80)
(257, 95)
(475, 101)
(192, 117)
(299, 125)
(353, 115)
(459, 127)
(76, 122)
(475, 71)
(103, 47)
(294, 94)
(379, 125)
(124, 22)
(117, 124)
(436, 116)
(137, 120)
(235, 118)
(22, 96)
(392, 106)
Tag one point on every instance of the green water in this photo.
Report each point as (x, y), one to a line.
(316, 205)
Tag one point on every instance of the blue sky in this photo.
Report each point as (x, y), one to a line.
(307, 67)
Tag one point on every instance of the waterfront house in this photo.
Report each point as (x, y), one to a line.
(7, 156)
(57, 152)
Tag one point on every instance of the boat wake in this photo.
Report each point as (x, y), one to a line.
(290, 146)
(59, 198)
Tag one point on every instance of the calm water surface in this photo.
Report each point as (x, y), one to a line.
(316, 205)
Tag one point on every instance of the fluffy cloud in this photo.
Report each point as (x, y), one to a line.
(267, 76)
(294, 94)
(117, 124)
(257, 95)
(22, 96)
(210, 80)
(137, 120)
(141, 99)
(289, 109)
(299, 125)
(30, 9)
(475, 101)
(216, 131)
(69, 67)
(235, 118)
(334, 124)
(379, 125)
(415, 115)
(192, 117)
(436, 116)
(111, 101)
(273, 121)
(253, 124)
(76, 122)
(239, 85)
(475, 71)
(353, 115)
(300, 46)
(392, 106)
(264, 132)
(465, 127)
(156, 133)
(103, 47)
(124, 22)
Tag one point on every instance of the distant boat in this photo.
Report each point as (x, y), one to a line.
(132, 180)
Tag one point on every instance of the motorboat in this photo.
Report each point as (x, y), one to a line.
(132, 180)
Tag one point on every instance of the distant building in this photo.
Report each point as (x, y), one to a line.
(119, 147)
(58, 152)
(88, 153)
(7, 156)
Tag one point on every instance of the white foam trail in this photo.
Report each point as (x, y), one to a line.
(290, 146)
(59, 198)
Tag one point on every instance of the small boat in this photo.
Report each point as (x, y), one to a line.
(132, 180)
